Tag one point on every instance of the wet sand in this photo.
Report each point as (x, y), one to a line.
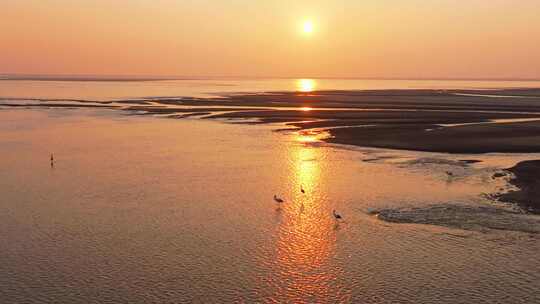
(480, 218)
(527, 179)
(520, 137)
(407, 119)
(397, 119)
(420, 120)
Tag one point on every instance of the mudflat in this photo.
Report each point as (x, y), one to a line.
(527, 179)
(451, 121)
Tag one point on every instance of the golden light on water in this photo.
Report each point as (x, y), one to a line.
(308, 169)
(311, 136)
(306, 109)
(306, 139)
(306, 238)
(306, 85)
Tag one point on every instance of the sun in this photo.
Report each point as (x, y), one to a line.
(306, 85)
(308, 27)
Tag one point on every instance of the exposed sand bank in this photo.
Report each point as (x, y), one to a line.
(422, 120)
(508, 137)
(527, 179)
(463, 217)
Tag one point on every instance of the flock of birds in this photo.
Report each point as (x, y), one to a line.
(277, 199)
(280, 201)
(336, 215)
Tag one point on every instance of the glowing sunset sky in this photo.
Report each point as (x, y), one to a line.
(347, 38)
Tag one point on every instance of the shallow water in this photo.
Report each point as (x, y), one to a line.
(146, 209)
(111, 90)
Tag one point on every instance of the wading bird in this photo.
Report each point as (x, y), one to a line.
(277, 199)
(336, 216)
(302, 190)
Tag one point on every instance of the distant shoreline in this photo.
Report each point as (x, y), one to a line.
(82, 79)
(129, 78)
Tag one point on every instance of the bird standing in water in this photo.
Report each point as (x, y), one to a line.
(337, 216)
(302, 190)
(52, 160)
(277, 199)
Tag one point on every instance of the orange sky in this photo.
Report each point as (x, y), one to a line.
(352, 38)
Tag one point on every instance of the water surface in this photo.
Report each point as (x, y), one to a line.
(114, 90)
(146, 209)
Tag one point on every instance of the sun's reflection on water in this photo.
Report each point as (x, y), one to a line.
(311, 136)
(306, 236)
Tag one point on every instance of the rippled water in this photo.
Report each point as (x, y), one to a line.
(111, 90)
(145, 209)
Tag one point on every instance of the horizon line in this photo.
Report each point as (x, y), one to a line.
(139, 77)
